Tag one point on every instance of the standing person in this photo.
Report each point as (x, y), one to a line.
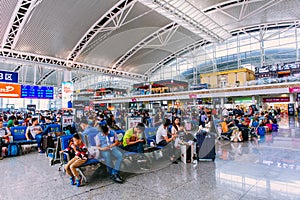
(132, 140)
(108, 148)
(202, 117)
(4, 137)
(225, 112)
(238, 111)
(35, 132)
(81, 156)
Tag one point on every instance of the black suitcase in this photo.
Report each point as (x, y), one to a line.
(47, 142)
(205, 147)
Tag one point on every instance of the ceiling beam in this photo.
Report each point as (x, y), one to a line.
(116, 15)
(190, 17)
(194, 45)
(143, 43)
(20, 15)
(51, 62)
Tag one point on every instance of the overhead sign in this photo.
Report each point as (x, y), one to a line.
(67, 94)
(10, 90)
(31, 107)
(9, 77)
(37, 92)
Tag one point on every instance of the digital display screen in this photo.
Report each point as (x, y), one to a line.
(37, 92)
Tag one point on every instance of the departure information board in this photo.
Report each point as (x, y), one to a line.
(37, 92)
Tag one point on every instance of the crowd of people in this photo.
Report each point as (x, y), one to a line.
(233, 123)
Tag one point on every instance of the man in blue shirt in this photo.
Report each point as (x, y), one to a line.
(107, 144)
(88, 129)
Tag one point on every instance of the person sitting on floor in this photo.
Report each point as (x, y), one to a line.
(81, 156)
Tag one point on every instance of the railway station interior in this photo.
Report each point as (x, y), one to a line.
(150, 99)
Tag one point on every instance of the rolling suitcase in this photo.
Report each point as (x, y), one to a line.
(47, 142)
(205, 147)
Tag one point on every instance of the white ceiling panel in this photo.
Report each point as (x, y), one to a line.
(56, 26)
(7, 8)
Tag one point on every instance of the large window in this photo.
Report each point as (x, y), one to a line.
(271, 46)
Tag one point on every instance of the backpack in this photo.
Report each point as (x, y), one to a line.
(203, 118)
(13, 149)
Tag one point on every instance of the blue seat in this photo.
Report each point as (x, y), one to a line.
(19, 135)
(5, 124)
(90, 161)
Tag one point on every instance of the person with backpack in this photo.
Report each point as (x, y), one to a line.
(4, 137)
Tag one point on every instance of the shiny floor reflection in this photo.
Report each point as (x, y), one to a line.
(268, 168)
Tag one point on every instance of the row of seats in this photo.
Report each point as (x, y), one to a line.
(19, 133)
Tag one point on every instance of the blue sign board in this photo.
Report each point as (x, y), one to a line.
(9, 77)
(37, 92)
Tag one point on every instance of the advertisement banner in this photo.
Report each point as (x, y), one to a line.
(276, 99)
(9, 77)
(67, 94)
(133, 122)
(294, 90)
(10, 90)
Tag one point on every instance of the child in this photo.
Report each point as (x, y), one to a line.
(81, 156)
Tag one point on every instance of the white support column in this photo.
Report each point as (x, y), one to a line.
(292, 98)
(297, 45)
(222, 99)
(67, 76)
(253, 100)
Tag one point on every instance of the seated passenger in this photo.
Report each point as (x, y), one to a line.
(111, 122)
(35, 132)
(162, 134)
(81, 156)
(87, 128)
(132, 140)
(4, 137)
(70, 150)
(108, 148)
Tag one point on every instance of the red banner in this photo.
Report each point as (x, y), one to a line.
(294, 90)
(276, 99)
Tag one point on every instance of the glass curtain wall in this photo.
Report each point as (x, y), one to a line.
(246, 49)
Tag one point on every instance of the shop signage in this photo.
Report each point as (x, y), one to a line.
(10, 90)
(276, 99)
(8, 77)
(78, 104)
(193, 96)
(294, 89)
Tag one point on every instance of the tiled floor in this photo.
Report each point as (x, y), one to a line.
(265, 169)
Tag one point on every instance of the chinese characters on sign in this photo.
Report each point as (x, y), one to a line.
(8, 77)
